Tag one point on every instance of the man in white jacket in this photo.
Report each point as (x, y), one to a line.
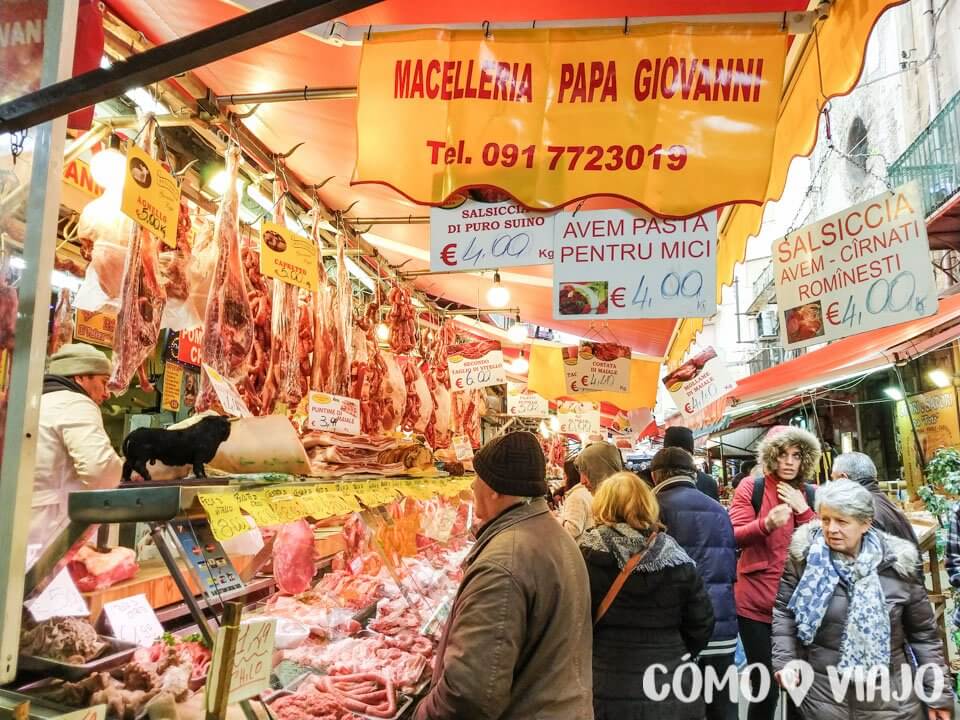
(73, 450)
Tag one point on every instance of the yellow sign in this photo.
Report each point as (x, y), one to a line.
(151, 196)
(223, 512)
(937, 424)
(655, 115)
(256, 504)
(289, 257)
(76, 173)
(96, 328)
(172, 382)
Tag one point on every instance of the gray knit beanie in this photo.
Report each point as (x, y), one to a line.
(78, 359)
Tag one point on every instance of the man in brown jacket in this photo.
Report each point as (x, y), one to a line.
(519, 639)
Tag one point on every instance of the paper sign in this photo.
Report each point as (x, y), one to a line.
(286, 506)
(227, 394)
(223, 512)
(578, 418)
(576, 381)
(190, 344)
(699, 381)
(611, 264)
(256, 504)
(289, 257)
(606, 366)
(864, 268)
(523, 403)
(151, 196)
(96, 328)
(172, 381)
(98, 712)
(59, 599)
(333, 413)
(252, 661)
(133, 620)
(476, 365)
(462, 447)
(474, 235)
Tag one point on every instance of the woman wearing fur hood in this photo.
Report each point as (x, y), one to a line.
(787, 456)
(849, 605)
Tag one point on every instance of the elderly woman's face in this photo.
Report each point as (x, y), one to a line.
(843, 533)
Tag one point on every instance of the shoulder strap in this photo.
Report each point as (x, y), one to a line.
(617, 585)
(756, 499)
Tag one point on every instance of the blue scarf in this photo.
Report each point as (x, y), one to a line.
(866, 633)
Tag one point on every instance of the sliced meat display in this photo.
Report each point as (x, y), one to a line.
(293, 564)
(366, 442)
(228, 327)
(142, 297)
(418, 407)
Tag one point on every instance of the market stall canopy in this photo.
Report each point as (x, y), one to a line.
(329, 127)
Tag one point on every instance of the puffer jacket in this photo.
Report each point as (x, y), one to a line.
(763, 553)
(661, 614)
(73, 453)
(702, 527)
(518, 641)
(911, 625)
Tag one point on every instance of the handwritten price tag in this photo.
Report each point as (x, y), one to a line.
(227, 394)
(332, 501)
(285, 505)
(347, 492)
(258, 506)
(133, 620)
(462, 447)
(223, 511)
(252, 661)
(59, 599)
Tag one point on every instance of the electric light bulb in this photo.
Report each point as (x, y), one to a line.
(108, 168)
(383, 332)
(939, 378)
(498, 296)
(218, 183)
(517, 333)
(520, 365)
(544, 430)
(555, 423)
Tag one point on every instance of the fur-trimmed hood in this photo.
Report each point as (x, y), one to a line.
(782, 437)
(899, 554)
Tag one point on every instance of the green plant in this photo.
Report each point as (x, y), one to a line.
(943, 480)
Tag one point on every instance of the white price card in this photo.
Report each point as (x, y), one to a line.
(59, 599)
(252, 661)
(523, 403)
(578, 418)
(605, 366)
(462, 447)
(227, 394)
(476, 365)
(333, 413)
(133, 620)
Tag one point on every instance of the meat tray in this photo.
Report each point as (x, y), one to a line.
(404, 701)
(116, 653)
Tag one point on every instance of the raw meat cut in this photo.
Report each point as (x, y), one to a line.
(293, 564)
(394, 397)
(228, 327)
(305, 348)
(70, 640)
(173, 263)
(344, 319)
(401, 319)
(468, 407)
(142, 297)
(328, 349)
(328, 439)
(107, 230)
(203, 262)
(62, 333)
(418, 408)
(261, 303)
(438, 429)
(92, 570)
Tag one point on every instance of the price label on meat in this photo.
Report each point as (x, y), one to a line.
(462, 447)
(333, 413)
(252, 661)
(347, 496)
(578, 418)
(476, 365)
(605, 366)
(289, 257)
(223, 512)
(576, 381)
(286, 506)
(258, 506)
(864, 268)
(656, 114)
(132, 619)
(151, 196)
(227, 394)
(625, 264)
(309, 501)
(469, 234)
(699, 381)
(523, 403)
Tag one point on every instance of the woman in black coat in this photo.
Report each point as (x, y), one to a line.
(662, 615)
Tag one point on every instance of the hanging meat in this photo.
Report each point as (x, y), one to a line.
(63, 325)
(328, 348)
(401, 319)
(437, 373)
(261, 303)
(179, 314)
(377, 380)
(8, 327)
(106, 231)
(418, 408)
(200, 269)
(344, 319)
(306, 302)
(468, 407)
(283, 382)
(142, 297)
(394, 398)
(228, 330)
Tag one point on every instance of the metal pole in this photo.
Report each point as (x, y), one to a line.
(20, 450)
(156, 532)
(231, 629)
(298, 95)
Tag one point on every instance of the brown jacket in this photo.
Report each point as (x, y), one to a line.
(912, 626)
(518, 642)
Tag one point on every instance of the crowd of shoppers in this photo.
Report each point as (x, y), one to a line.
(565, 620)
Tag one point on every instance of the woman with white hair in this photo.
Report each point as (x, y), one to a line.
(850, 600)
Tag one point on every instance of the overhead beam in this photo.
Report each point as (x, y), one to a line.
(294, 95)
(206, 46)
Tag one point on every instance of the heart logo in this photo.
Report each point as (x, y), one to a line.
(797, 678)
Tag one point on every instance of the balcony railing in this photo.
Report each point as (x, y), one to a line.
(933, 159)
(768, 357)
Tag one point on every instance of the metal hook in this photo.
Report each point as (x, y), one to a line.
(364, 231)
(317, 187)
(349, 208)
(783, 23)
(291, 151)
(244, 116)
(180, 173)
(486, 29)
(626, 25)
(577, 209)
(369, 32)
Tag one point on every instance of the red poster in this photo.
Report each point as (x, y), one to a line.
(191, 342)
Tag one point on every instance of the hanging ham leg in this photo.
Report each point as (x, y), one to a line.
(228, 331)
(343, 319)
(142, 297)
(329, 353)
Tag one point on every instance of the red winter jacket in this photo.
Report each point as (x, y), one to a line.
(763, 554)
